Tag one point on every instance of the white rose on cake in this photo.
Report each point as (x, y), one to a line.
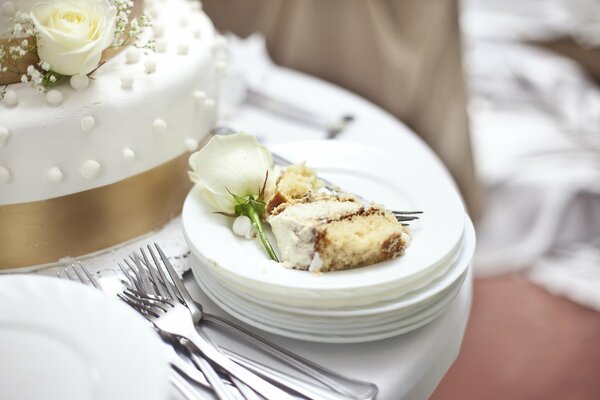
(72, 34)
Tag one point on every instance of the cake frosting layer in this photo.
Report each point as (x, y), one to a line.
(137, 112)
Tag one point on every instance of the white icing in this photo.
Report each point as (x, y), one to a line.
(190, 144)
(159, 125)
(87, 123)
(80, 82)
(52, 136)
(183, 22)
(160, 46)
(55, 174)
(150, 65)
(155, 13)
(197, 34)
(132, 55)
(11, 98)
(158, 29)
(128, 154)
(4, 175)
(127, 80)
(4, 135)
(90, 169)
(54, 97)
(210, 103)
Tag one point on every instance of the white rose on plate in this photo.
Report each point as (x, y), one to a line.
(230, 172)
(233, 164)
(71, 34)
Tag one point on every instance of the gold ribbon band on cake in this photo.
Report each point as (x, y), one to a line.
(42, 232)
(14, 72)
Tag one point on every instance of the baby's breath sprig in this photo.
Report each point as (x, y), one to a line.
(21, 43)
(130, 31)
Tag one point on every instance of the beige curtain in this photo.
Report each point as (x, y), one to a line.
(403, 55)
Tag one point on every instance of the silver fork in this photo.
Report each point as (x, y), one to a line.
(151, 286)
(349, 387)
(160, 280)
(174, 318)
(180, 370)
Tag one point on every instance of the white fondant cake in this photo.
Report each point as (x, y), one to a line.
(136, 112)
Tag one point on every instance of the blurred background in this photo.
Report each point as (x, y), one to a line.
(506, 93)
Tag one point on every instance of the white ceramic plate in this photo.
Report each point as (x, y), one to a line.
(347, 335)
(397, 180)
(319, 325)
(61, 340)
(330, 309)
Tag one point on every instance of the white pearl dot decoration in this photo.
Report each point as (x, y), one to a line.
(90, 169)
(55, 175)
(197, 34)
(80, 82)
(127, 81)
(128, 154)
(54, 97)
(183, 22)
(11, 98)
(220, 43)
(4, 135)
(87, 123)
(4, 175)
(160, 46)
(132, 55)
(195, 5)
(221, 67)
(182, 49)
(150, 66)
(159, 126)
(199, 97)
(209, 103)
(155, 13)
(8, 9)
(190, 144)
(158, 30)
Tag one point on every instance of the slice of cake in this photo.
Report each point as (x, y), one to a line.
(324, 232)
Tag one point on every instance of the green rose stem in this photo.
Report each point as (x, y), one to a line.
(253, 208)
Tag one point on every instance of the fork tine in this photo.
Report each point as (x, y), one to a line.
(136, 268)
(90, 277)
(406, 212)
(153, 274)
(172, 290)
(401, 218)
(148, 311)
(132, 282)
(79, 274)
(185, 295)
(70, 275)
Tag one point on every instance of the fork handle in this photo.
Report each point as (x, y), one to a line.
(258, 384)
(341, 384)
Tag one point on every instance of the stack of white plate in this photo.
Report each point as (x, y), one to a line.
(362, 304)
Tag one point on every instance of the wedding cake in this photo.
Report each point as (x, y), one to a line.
(102, 101)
